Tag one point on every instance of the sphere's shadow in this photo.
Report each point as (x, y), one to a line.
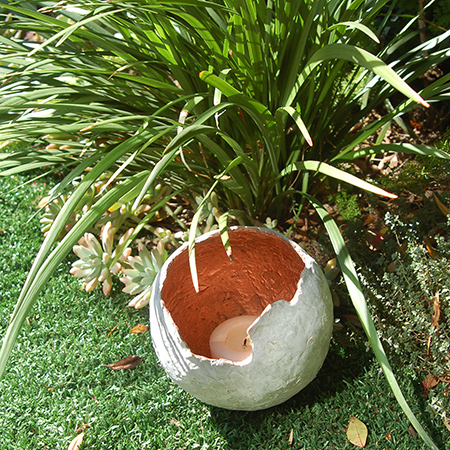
(242, 429)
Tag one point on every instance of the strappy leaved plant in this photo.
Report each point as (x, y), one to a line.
(283, 89)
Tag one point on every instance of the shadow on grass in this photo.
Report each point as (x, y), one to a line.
(349, 384)
(258, 429)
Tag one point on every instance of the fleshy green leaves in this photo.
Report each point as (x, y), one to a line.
(46, 263)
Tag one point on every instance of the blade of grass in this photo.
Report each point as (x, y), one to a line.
(338, 174)
(361, 57)
(259, 113)
(298, 121)
(395, 148)
(196, 218)
(366, 30)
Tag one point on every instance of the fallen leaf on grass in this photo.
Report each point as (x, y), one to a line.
(429, 242)
(447, 423)
(291, 437)
(76, 442)
(138, 329)
(112, 331)
(357, 432)
(436, 311)
(83, 427)
(429, 383)
(130, 362)
(412, 432)
(444, 210)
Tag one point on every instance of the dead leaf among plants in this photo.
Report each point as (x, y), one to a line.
(130, 362)
(357, 432)
(429, 383)
(388, 436)
(76, 442)
(412, 432)
(432, 381)
(291, 437)
(139, 329)
(436, 311)
(83, 427)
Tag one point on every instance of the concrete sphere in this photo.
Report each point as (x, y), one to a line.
(270, 277)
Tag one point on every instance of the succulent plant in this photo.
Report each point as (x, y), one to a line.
(210, 213)
(98, 261)
(139, 277)
(126, 213)
(51, 211)
(271, 224)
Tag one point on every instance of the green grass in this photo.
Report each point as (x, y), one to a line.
(56, 380)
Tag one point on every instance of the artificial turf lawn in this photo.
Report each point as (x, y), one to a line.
(57, 384)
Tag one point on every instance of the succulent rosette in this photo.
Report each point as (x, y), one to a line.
(99, 260)
(140, 275)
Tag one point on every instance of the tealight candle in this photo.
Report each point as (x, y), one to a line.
(230, 339)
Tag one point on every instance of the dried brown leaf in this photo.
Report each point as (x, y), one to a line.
(444, 378)
(112, 331)
(175, 422)
(447, 423)
(444, 210)
(436, 311)
(412, 432)
(429, 383)
(130, 362)
(392, 267)
(139, 329)
(291, 437)
(76, 442)
(368, 219)
(429, 245)
(84, 426)
(357, 432)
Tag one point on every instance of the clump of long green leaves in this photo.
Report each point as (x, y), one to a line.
(283, 89)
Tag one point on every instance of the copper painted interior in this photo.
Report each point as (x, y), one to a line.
(265, 269)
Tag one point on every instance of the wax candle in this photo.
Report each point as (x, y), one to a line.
(230, 339)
